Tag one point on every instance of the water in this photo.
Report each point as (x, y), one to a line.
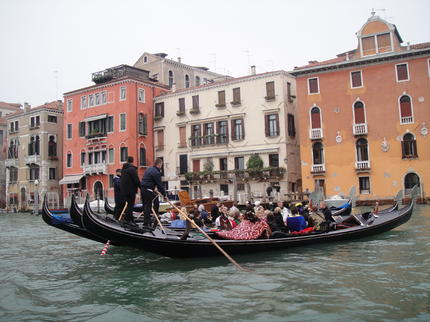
(50, 275)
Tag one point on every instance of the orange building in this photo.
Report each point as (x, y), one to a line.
(105, 123)
(364, 116)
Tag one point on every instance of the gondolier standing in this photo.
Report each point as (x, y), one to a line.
(129, 184)
(151, 180)
(119, 203)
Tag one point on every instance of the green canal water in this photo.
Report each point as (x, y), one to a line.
(49, 275)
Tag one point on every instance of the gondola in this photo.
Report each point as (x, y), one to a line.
(158, 242)
(65, 222)
(110, 210)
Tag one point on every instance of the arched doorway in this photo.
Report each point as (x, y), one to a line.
(98, 190)
(23, 199)
(411, 179)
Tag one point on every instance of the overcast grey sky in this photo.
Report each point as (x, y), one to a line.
(79, 37)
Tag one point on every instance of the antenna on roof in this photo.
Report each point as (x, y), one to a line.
(383, 11)
(56, 84)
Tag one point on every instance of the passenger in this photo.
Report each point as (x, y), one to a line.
(285, 207)
(315, 218)
(235, 214)
(279, 220)
(295, 222)
(250, 228)
(197, 218)
(215, 211)
(223, 222)
(203, 213)
(326, 211)
(260, 212)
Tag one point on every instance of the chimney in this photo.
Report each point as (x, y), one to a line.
(347, 56)
(26, 107)
(179, 59)
(253, 71)
(174, 87)
(408, 46)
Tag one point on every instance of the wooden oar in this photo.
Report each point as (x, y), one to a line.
(123, 210)
(209, 238)
(156, 216)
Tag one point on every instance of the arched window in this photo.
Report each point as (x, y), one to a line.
(197, 81)
(406, 115)
(362, 150)
(409, 146)
(52, 146)
(411, 179)
(315, 118)
(171, 81)
(187, 81)
(142, 124)
(142, 156)
(98, 190)
(37, 145)
(317, 153)
(31, 146)
(359, 116)
(69, 160)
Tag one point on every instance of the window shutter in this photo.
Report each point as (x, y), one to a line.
(405, 106)
(145, 124)
(402, 72)
(196, 165)
(403, 142)
(266, 125)
(277, 125)
(236, 95)
(359, 113)
(233, 129)
(243, 129)
(313, 85)
(356, 79)
(315, 118)
(414, 149)
(270, 89)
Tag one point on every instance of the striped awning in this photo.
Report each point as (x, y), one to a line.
(73, 178)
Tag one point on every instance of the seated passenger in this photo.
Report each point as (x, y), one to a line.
(275, 221)
(295, 222)
(315, 218)
(197, 218)
(223, 222)
(250, 228)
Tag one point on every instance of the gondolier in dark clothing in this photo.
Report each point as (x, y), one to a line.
(128, 186)
(119, 203)
(326, 212)
(151, 180)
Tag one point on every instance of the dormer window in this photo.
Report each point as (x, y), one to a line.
(376, 44)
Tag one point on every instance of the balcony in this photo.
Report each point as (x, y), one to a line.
(315, 134)
(318, 169)
(362, 166)
(95, 168)
(99, 135)
(11, 163)
(407, 120)
(32, 159)
(195, 110)
(159, 147)
(359, 129)
(34, 126)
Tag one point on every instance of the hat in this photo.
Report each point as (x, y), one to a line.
(299, 204)
(257, 203)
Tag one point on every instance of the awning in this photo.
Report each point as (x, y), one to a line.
(96, 117)
(73, 178)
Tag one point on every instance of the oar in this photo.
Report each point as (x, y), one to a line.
(123, 210)
(156, 216)
(209, 238)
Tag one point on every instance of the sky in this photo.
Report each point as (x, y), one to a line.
(49, 47)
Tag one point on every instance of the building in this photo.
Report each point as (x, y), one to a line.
(5, 109)
(207, 135)
(103, 124)
(364, 116)
(34, 155)
(175, 74)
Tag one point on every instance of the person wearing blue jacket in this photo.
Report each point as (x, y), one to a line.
(151, 180)
(119, 202)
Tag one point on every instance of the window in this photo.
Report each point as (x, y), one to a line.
(122, 93)
(359, 116)
(81, 129)
(183, 163)
(52, 119)
(14, 126)
(12, 152)
(171, 79)
(384, 42)
(291, 125)
(221, 99)
(270, 90)
(52, 146)
(91, 100)
(142, 156)
(69, 131)
(224, 189)
(196, 165)
(313, 85)
(159, 110)
(240, 187)
(197, 81)
(13, 174)
(83, 102)
(141, 95)
(187, 81)
(182, 137)
(52, 173)
(160, 140)
(223, 164)
(69, 105)
(122, 122)
(222, 131)
(208, 133)
(239, 163)
(143, 128)
(362, 150)
(145, 59)
(97, 128)
(272, 125)
(315, 118)
(428, 66)
(402, 73)
(111, 180)
(110, 124)
(34, 145)
(406, 115)
(411, 180)
(195, 135)
(34, 122)
(83, 154)
(69, 160)
(111, 155)
(90, 157)
(237, 130)
(182, 105)
(123, 154)
(364, 184)
(274, 160)
(409, 146)
(236, 96)
(34, 172)
(317, 153)
(289, 95)
(97, 98)
(356, 80)
(104, 97)
(195, 102)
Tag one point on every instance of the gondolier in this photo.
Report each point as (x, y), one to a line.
(128, 186)
(151, 180)
(119, 203)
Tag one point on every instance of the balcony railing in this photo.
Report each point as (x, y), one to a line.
(362, 165)
(318, 168)
(95, 168)
(96, 135)
(407, 120)
(207, 140)
(315, 134)
(10, 163)
(32, 159)
(359, 129)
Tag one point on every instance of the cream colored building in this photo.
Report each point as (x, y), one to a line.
(207, 134)
(34, 156)
(174, 73)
